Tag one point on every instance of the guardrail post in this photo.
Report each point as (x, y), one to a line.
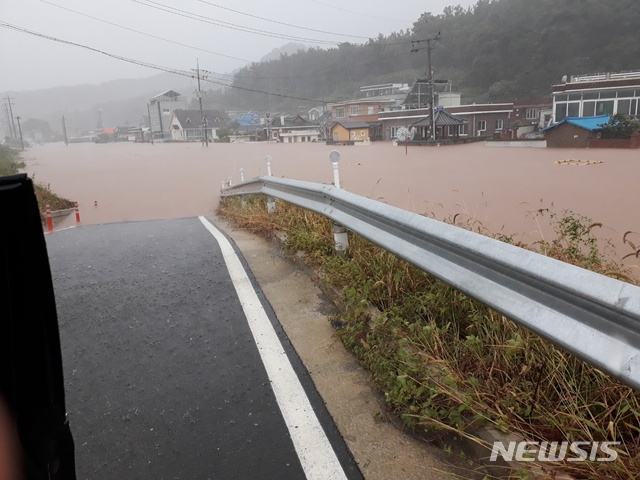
(75, 204)
(268, 160)
(335, 158)
(271, 202)
(244, 197)
(340, 236)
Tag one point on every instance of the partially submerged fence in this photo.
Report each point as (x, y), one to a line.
(594, 317)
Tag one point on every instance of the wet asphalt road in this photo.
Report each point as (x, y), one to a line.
(162, 374)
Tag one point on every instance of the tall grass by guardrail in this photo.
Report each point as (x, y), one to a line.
(446, 362)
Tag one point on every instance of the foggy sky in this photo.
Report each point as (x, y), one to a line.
(30, 62)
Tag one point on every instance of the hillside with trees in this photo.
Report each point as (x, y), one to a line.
(496, 50)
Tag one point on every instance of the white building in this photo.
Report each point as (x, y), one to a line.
(599, 94)
(161, 108)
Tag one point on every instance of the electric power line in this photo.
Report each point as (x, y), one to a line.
(144, 33)
(150, 65)
(360, 14)
(232, 26)
(281, 23)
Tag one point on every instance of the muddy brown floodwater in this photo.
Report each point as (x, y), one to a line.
(494, 187)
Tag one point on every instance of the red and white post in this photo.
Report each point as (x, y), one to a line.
(49, 218)
(75, 204)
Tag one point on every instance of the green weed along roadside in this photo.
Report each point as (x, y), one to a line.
(448, 363)
(11, 163)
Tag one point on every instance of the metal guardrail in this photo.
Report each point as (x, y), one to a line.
(594, 317)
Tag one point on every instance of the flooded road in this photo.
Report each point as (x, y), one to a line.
(493, 187)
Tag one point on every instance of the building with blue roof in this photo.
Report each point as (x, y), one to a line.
(574, 132)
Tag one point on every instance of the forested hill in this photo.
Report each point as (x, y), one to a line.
(496, 50)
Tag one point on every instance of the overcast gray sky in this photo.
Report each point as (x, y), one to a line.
(225, 31)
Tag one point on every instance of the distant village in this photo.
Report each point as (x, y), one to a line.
(571, 117)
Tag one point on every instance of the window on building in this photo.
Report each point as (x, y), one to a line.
(340, 112)
(394, 131)
(634, 105)
(499, 124)
(464, 129)
(624, 106)
(354, 110)
(608, 94)
(604, 107)
(588, 109)
(590, 96)
(362, 133)
(532, 113)
(370, 111)
(166, 111)
(625, 93)
(561, 112)
(573, 109)
(482, 126)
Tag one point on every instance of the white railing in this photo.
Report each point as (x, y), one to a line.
(606, 76)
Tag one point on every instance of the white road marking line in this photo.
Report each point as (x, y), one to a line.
(60, 229)
(314, 450)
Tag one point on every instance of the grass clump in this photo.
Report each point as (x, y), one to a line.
(11, 163)
(447, 362)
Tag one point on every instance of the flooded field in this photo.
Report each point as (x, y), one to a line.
(495, 187)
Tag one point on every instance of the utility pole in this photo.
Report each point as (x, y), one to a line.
(150, 127)
(7, 121)
(13, 123)
(202, 116)
(416, 48)
(20, 129)
(64, 130)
